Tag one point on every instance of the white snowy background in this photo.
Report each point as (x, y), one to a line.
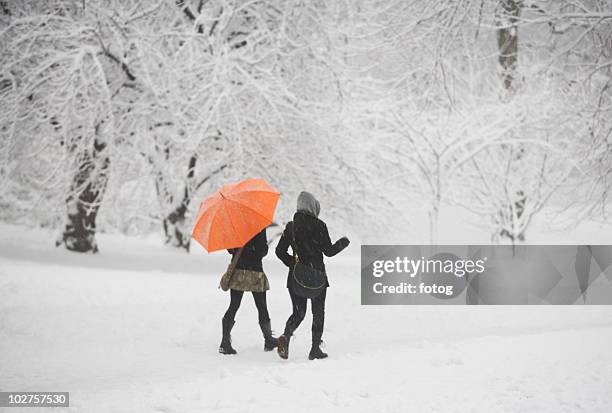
(461, 121)
(136, 329)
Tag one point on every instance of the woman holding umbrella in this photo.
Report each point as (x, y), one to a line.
(249, 276)
(235, 218)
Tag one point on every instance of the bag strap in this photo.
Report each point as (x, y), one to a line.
(295, 254)
(234, 262)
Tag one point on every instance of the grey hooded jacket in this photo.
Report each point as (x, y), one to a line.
(307, 236)
(306, 202)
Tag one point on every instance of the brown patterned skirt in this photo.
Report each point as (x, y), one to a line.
(247, 280)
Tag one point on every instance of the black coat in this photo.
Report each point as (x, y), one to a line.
(252, 253)
(311, 242)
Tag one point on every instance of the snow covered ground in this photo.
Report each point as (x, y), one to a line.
(136, 329)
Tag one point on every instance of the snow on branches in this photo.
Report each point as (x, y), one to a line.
(124, 114)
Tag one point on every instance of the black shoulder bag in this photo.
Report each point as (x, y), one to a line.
(307, 281)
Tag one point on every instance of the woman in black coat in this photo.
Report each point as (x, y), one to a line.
(249, 276)
(311, 242)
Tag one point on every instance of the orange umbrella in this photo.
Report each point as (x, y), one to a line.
(234, 214)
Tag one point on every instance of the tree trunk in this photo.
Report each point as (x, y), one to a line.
(83, 203)
(515, 236)
(507, 43)
(175, 230)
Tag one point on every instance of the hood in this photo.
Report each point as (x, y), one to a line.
(306, 202)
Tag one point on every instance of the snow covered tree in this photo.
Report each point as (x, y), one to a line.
(193, 88)
(59, 81)
(468, 124)
(124, 114)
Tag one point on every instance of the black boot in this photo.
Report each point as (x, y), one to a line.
(316, 352)
(226, 342)
(283, 347)
(270, 342)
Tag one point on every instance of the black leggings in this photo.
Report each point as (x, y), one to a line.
(317, 305)
(260, 303)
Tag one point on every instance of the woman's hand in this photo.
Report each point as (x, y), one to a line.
(344, 242)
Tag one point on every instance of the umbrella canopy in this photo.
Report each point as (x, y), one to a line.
(234, 214)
